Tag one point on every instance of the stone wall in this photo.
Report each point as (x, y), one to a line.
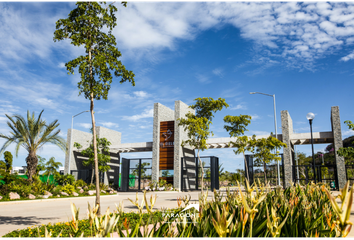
(161, 113)
(338, 143)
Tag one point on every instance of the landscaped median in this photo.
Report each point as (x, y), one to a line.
(298, 211)
(14, 187)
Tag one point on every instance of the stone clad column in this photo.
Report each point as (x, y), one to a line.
(338, 143)
(287, 130)
(84, 139)
(180, 111)
(161, 113)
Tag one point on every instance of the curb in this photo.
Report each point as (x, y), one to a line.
(50, 199)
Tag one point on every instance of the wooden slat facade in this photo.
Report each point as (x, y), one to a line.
(166, 145)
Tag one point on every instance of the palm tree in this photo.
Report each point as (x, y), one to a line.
(51, 167)
(31, 134)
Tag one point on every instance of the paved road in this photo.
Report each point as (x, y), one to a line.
(22, 214)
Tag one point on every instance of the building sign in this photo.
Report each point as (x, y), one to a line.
(167, 130)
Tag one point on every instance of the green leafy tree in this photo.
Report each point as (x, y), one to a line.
(3, 168)
(197, 125)
(236, 128)
(52, 167)
(103, 155)
(347, 152)
(8, 160)
(32, 134)
(41, 164)
(143, 168)
(263, 152)
(90, 26)
(165, 173)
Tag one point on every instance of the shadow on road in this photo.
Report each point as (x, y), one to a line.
(19, 220)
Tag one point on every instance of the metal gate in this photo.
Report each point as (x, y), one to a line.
(303, 174)
(85, 175)
(191, 173)
(257, 172)
(136, 174)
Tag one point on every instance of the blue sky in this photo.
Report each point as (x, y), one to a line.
(302, 53)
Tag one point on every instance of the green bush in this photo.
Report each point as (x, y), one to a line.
(22, 190)
(69, 189)
(79, 183)
(64, 179)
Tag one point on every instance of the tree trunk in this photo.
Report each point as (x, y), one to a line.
(32, 162)
(92, 174)
(265, 173)
(201, 166)
(95, 157)
(247, 175)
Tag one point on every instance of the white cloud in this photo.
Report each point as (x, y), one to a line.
(348, 133)
(140, 94)
(258, 133)
(202, 78)
(239, 106)
(348, 57)
(218, 72)
(61, 65)
(291, 33)
(255, 116)
(148, 113)
(84, 125)
(109, 124)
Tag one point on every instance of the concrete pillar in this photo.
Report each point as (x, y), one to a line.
(287, 130)
(338, 143)
(161, 113)
(84, 139)
(180, 135)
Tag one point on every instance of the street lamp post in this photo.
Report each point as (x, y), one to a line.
(71, 137)
(310, 116)
(275, 125)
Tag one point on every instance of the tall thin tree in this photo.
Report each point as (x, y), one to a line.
(90, 25)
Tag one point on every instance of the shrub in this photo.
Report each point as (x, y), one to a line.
(22, 190)
(64, 179)
(69, 189)
(79, 183)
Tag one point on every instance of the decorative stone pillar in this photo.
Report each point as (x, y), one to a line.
(161, 113)
(338, 143)
(287, 130)
(180, 135)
